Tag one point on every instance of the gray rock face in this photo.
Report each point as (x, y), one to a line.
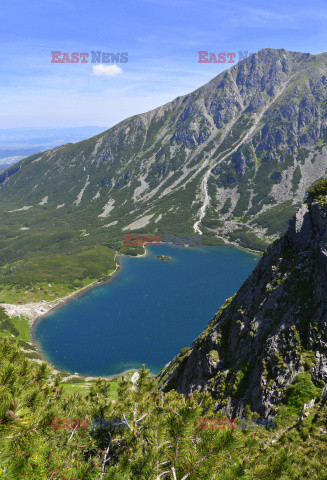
(324, 393)
(274, 328)
(300, 230)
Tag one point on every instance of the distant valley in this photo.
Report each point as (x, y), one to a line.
(18, 143)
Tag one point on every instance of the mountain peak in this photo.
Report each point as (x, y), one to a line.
(232, 160)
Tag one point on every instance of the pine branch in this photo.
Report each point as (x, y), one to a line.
(126, 421)
(106, 459)
(141, 418)
(87, 471)
(163, 473)
(21, 434)
(74, 430)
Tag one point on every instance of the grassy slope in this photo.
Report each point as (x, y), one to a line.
(51, 277)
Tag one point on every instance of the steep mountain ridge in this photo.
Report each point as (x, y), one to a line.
(272, 330)
(232, 160)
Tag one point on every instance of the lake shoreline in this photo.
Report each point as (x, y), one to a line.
(58, 303)
(63, 301)
(36, 311)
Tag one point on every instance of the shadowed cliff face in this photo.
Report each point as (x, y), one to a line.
(274, 327)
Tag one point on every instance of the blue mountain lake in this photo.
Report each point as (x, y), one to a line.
(146, 313)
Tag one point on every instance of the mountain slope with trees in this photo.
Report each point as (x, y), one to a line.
(232, 160)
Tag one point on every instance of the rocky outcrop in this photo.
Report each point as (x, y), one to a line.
(300, 231)
(274, 328)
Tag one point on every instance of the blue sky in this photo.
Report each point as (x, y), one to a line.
(162, 38)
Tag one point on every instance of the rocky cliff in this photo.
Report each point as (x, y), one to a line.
(274, 328)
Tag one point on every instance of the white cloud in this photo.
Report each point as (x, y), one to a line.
(107, 70)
